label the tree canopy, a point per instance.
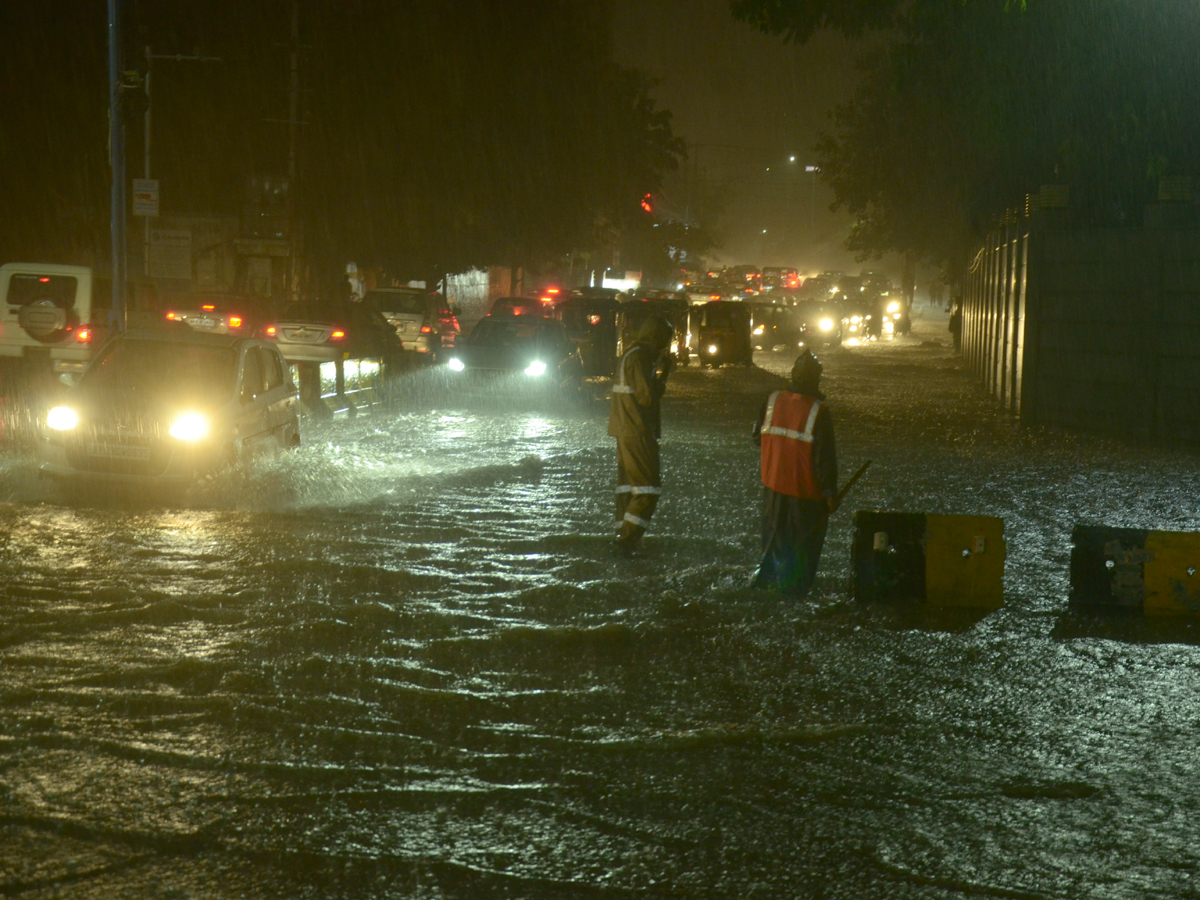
(434, 135)
(967, 107)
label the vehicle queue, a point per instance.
(320, 356)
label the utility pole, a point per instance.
(116, 149)
(295, 239)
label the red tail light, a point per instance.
(337, 334)
(208, 307)
(83, 335)
(172, 316)
(235, 321)
(269, 331)
(426, 329)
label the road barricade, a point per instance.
(1135, 571)
(945, 561)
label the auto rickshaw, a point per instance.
(591, 323)
(723, 333)
(670, 306)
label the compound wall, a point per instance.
(1096, 329)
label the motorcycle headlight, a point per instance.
(62, 418)
(826, 324)
(189, 427)
(535, 368)
(712, 349)
(455, 364)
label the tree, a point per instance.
(967, 107)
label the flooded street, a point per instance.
(402, 662)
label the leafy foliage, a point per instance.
(967, 107)
(433, 135)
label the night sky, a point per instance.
(744, 103)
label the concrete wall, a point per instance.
(1096, 329)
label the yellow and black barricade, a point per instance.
(1135, 571)
(946, 561)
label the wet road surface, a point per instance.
(401, 662)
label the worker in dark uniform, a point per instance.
(638, 386)
(799, 475)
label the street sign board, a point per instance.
(145, 196)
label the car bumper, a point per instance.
(163, 466)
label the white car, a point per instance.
(162, 406)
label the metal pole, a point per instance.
(116, 136)
(146, 168)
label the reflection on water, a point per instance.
(400, 662)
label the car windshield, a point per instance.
(316, 310)
(397, 301)
(505, 332)
(165, 367)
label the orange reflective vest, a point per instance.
(787, 440)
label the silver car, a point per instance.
(160, 407)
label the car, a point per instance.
(743, 281)
(774, 325)
(780, 278)
(218, 313)
(163, 406)
(519, 306)
(821, 322)
(424, 322)
(536, 348)
(722, 332)
(326, 331)
(52, 316)
(706, 292)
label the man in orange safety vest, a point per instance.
(799, 476)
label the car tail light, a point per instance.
(426, 329)
(207, 307)
(270, 331)
(235, 321)
(172, 316)
(83, 335)
(594, 319)
(337, 335)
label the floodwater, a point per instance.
(401, 662)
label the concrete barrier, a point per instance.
(944, 561)
(1135, 571)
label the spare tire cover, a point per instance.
(43, 320)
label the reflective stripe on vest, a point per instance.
(787, 437)
(621, 387)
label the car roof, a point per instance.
(183, 335)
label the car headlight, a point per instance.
(190, 426)
(855, 319)
(894, 306)
(535, 368)
(826, 324)
(456, 364)
(62, 418)
(758, 330)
